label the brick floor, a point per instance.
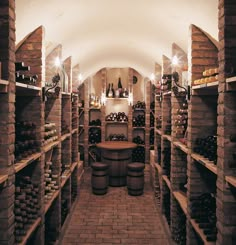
(115, 218)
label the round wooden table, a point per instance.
(117, 154)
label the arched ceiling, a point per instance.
(116, 33)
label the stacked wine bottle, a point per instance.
(26, 206)
(166, 160)
(139, 121)
(94, 135)
(117, 137)
(203, 210)
(138, 154)
(207, 147)
(117, 117)
(50, 133)
(139, 105)
(23, 75)
(181, 121)
(50, 181)
(26, 143)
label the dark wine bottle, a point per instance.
(20, 66)
(233, 137)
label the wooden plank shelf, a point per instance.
(25, 162)
(167, 181)
(199, 231)
(50, 202)
(231, 180)
(158, 131)
(50, 146)
(181, 146)
(231, 84)
(167, 137)
(65, 176)
(3, 178)
(26, 89)
(75, 130)
(141, 127)
(158, 167)
(91, 126)
(3, 86)
(73, 166)
(65, 136)
(30, 231)
(182, 200)
(205, 162)
(205, 88)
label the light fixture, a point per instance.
(103, 98)
(130, 98)
(175, 61)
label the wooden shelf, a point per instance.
(141, 127)
(3, 86)
(231, 180)
(3, 178)
(205, 88)
(95, 108)
(167, 181)
(181, 146)
(158, 167)
(26, 89)
(91, 126)
(182, 200)
(231, 84)
(50, 146)
(73, 166)
(167, 137)
(64, 177)
(199, 231)
(75, 130)
(25, 162)
(205, 162)
(50, 202)
(30, 231)
(116, 98)
(65, 136)
(158, 131)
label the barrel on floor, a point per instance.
(99, 178)
(135, 178)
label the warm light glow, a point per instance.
(130, 99)
(103, 98)
(57, 62)
(175, 60)
(152, 77)
(80, 77)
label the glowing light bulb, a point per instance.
(175, 60)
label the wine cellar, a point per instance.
(182, 122)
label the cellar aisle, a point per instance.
(115, 218)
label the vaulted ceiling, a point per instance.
(116, 33)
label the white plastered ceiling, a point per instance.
(116, 33)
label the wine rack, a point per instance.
(32, 129)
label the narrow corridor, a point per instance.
(115, 218)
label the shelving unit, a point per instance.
(34, 161)
(191, 174)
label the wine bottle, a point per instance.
(108, 89)
(113, 91)
(20, 66)
(110, 92)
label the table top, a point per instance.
(116, 145)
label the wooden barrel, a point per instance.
(135, 178)
(99, 180)
(117, 166)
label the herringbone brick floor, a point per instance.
(115, 218)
